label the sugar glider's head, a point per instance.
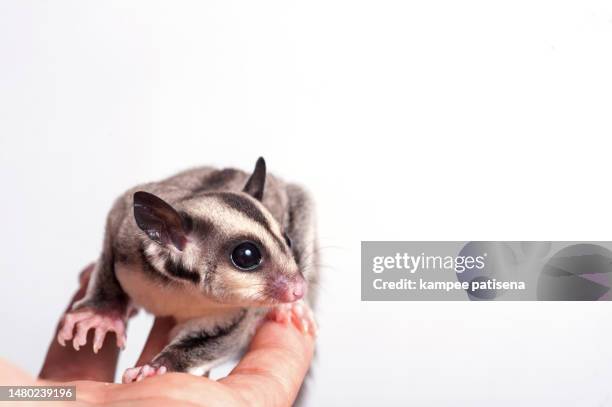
(226, 244)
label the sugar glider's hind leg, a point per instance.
(199, 345)
(105, 305)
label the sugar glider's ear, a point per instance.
(160, 221)
(257, 181)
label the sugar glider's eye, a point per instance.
(246, 256)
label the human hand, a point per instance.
(269, 374)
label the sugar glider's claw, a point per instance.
(297, 313)
(139, 373)
(85, 319)
(65, 332)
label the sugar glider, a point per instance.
(214, 249)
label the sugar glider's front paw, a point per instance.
(84, 319)
(138, 373)
(298, 313)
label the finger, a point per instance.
(64, 363)
(274, 367)
(157, 340)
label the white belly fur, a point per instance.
(183, 302)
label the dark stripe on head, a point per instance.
(216, 180)
(197, 226)
(246, 206)
(179, 271)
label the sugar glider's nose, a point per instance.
(299, 289)
(288, 289)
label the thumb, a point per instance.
(273, 369)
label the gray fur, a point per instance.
(207, 340)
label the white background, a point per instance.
(422, 120)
